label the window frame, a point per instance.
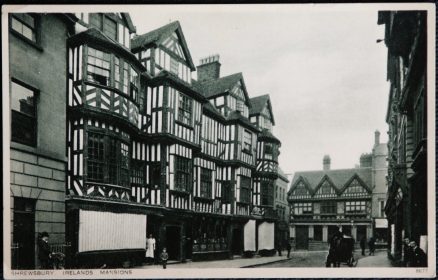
(91, 73)
(37, 29)
(206, 182)
(245, 189)
(329, 207)
(356, 207)
(246, 147)
(36, 93)
(182, 110)
(183, 174)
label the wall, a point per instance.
(39, 172)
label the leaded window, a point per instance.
(96, 157)
(185, 109)
(25, 24)
(155, 174)
(302, 208)
(245, 189)
(23, 106)
(328, 207)
(134, 84)
(355, 206)
(124, 164)
(98, 67)
(137, 172)
(267, 193)
(247, 140)
(183, 176)
(206, 182)
(226, 192)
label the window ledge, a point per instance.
(183, 124)
(27, 40)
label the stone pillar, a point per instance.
(292, 231)
(354, 232)
(324, 233)
(311, 234)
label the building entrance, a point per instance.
(173, 241)
(237, 241)
(302, 237)
(23, 250)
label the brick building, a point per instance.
(325, 200)
(38, 139)
(406, 207)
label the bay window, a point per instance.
(245, 189)
(355, 207)
(98, 67)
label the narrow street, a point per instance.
(297, 259)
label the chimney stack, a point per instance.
(209, 68)
(376, 138)
(326, 163)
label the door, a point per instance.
(237, 241)
(302, 236)
(173, 241)
(23, 252)
(361, 232)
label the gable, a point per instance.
(172, 43)
(355, 188)
(325, 188)
(300, 190)
(237, 91)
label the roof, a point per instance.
(158, 35)
(129, 22)
(237, 116)
(267, 135)
(258, 103)
(210, 108)
(282, 175)
(215, 87)
(339, 177)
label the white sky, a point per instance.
(321, 65)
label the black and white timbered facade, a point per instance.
(153, 151)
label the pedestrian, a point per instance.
(334, 250)
(44, 254)
(279, 248)
(362, 245)
(164, 256)
(371, 245)
(150, 249)
(407, 253)
(288, 247)
(419, 257)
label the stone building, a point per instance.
(37, 86)
(325, 200)
(406, 206)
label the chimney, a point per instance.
(366, 160)
(376, 138)
(209, 68)
(326, 163)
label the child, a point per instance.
(164, 256)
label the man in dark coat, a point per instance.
(407, 253)
(419, 257)
(288, 247)
(362, 245)
(371, 245)
(44, 253)
(334, 250)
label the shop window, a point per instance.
(23, 107)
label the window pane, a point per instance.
(22, 100)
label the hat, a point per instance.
(44, 234)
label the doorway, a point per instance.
(302, 237)
(173, 238)
(237, 242)
(23, 252)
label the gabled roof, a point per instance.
(361, 182)
(267, 135)
(339, 177)
(208, 107)
(129, 22)
(158, 35)
(258, 103)
(295, 182)
(211, 88)
(326, 178)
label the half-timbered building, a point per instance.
(154, 151)
(324, 201)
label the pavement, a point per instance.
(297, 259)
(380, 259)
